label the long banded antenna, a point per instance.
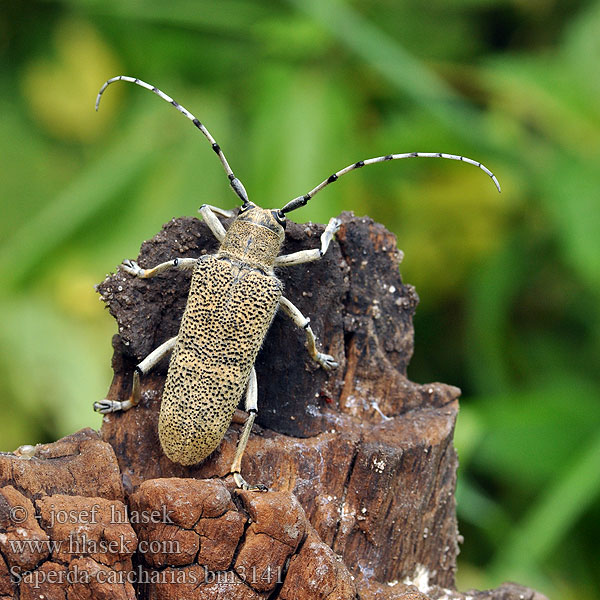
(302, 200)
(235, 183)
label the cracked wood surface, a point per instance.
(230, 544)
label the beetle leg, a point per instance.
(131, 267)
(209, 214)
(252, 408)
(304, 256)
(156, 356)
(228, 214)
(325, 360)
(107, 406)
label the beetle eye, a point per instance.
(279, 217)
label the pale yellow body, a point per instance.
(232, 301)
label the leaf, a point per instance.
(575, 488)
(94, 188)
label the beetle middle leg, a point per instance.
(108, 406)
(325, 360)
(131, 267)
(304, 256)
(252, 409)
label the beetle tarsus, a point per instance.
(131, 267)
(108, 406)
(326, 361)
(244, 485)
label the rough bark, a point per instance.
(360, 460)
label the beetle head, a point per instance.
(255, 236)
(274, 220)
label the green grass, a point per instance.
(509, 284)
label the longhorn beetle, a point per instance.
(233, 298)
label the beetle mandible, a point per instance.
(233, 298)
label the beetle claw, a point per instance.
(244, 485)
(327, 361)
(131, 267)
(107, 406)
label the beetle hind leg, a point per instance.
(252, 408)
(109, 406)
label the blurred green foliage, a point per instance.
(509, 284)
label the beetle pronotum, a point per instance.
(234, 295)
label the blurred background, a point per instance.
(294, 90)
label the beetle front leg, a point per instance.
(304, 256)
(325, 360)
(251, 408)
(108, 406)
(209, 214)
(131, 267)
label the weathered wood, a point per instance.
(61, 498)
(64, 468)
(360, 460)
(367, 452)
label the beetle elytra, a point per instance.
(234, 295)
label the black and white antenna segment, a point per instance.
(237, 185)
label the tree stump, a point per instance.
(359, 460)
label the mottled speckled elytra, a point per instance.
(234, 290)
